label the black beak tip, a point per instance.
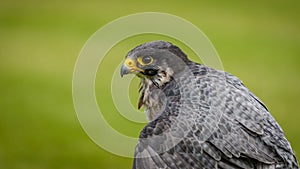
(124, 70)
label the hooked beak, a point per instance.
(129, 66)
(124, 70)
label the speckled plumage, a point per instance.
(203, 118)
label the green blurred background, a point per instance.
(258, 41)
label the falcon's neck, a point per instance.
(152, 96)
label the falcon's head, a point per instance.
(156, 61)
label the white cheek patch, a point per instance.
(162, 77)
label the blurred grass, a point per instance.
(40, 41)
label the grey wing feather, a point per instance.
(229, 128)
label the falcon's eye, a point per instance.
(145, 60)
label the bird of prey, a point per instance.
(201, 117)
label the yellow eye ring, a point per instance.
(145, 60)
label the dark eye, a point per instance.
(145, 60)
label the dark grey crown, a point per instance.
(160, 45)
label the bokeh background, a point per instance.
(258, 41)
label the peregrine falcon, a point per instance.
(201, 117)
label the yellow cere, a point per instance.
(132, 64)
